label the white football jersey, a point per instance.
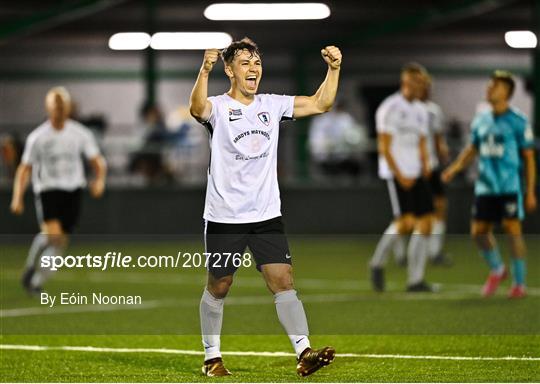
(242, 175)
(56, 156)
(435, 125)
(407, 122)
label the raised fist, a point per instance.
(210, 58)
(332, 56)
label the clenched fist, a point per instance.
(332, 56)
(210, 58)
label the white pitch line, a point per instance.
(256, 354)
(45, 310)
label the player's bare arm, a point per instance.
(530, 180)
(424, 157)
(464, 159)
(199, 106)
(385, 143)
(323, 99)
(22, 178)
(97, 185)
(441, 147)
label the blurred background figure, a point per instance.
(337, 144)
(148, 160)
(53, 156)
(503, 140)
(438, 157)
(10, 153)
(403, 128)
(188, 157)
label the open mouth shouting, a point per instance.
(251, 82)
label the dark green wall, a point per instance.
(306, 210)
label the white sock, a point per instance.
(400, 248)
(417, 257)
(38, 245)
(292, 317)
(42, 274)
(211, 312)
(384, 246)
(436, 240)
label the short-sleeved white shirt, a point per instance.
(56, 156)
(242, 176)
(406, 122)
(435, 124)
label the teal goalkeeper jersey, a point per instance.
(499, 141)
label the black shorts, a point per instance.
(436, 184)
(61, 205)
(266, 241)
(495, 208)
(417, 201)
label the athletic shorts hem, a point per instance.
(418, 200)
(266, 241)
(496, 208)
(61, 205)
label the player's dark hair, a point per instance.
(237, 47)
(507, 78)
(414, 69)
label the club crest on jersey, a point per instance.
(264, 117)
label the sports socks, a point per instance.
(493, 259)
(385, 245)
(417, 257)
(519, 270)
(436, 240)
(400, 248)
(42, 274)
(211, 314)
(38, 245)
(292, 317)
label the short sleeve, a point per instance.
(284, 106)
(211, 122)
(30, 150)
(474, 138)
(89, 144)
(384, 119)
(525, 135)
(437, 122)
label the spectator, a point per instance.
(337, 143)
(148, 160)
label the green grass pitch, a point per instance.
(450, 336)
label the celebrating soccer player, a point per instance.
(53, 156)
(501, 138)
(242, 205)
(402, 127)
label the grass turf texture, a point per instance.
(332, 279)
